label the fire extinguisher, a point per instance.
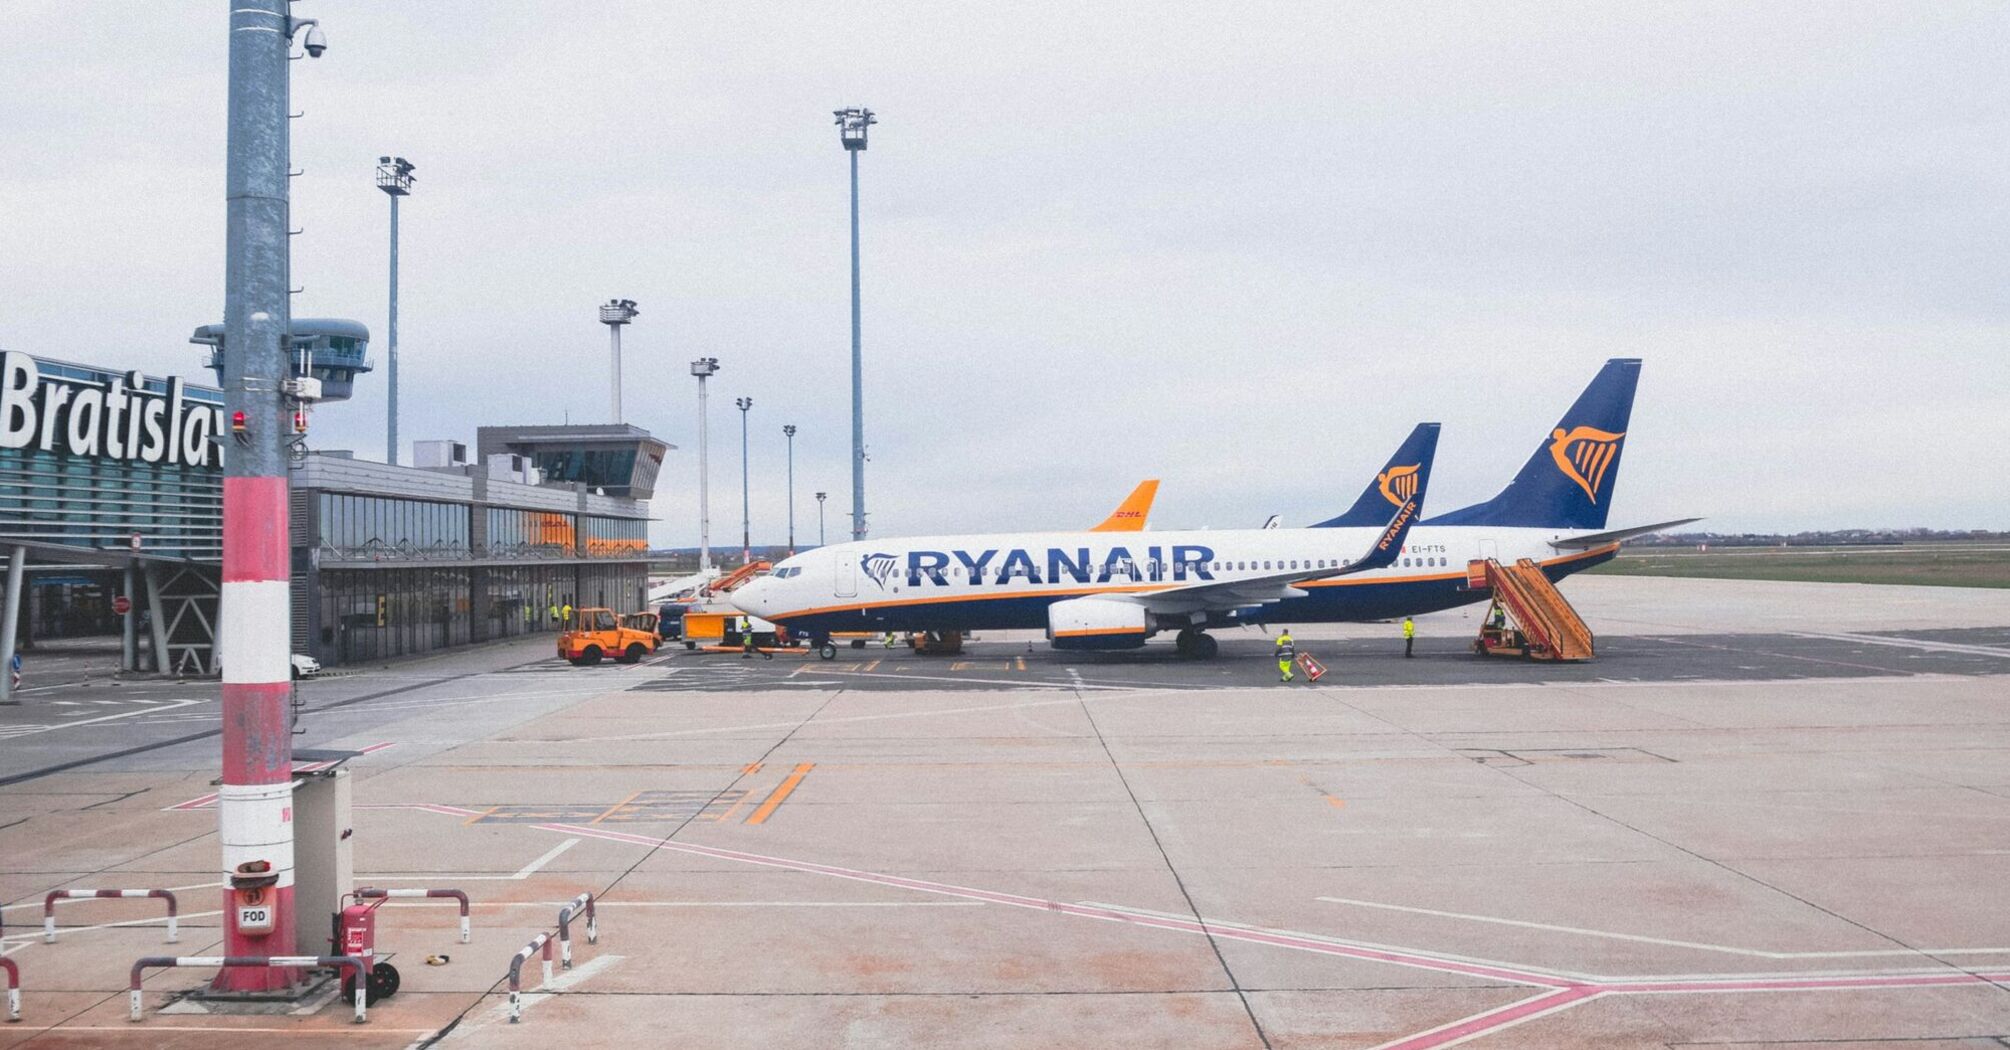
(356, 934)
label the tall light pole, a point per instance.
(820, 517)
(789, 431)
(614, 313)
(394, 177)
(852, 124)
(746, 531)
(255, 800)
(704, 368)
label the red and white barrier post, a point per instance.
(565, 914)
(542, 942)
(13, 988)
(271, 963)
(49, 907)
(255, 801)
(368, 893)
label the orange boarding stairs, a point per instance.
(737, 577)
(1552, 629)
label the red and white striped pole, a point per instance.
(254, 633)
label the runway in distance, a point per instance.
(1375, 561)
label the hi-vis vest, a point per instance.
(1285, 649)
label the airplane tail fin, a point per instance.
(1402, 478)
(1134, 511)
(1569, 481)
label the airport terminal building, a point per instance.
(111, 499)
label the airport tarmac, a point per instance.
(1769, 815)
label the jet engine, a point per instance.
(1097, 623)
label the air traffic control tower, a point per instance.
(614, 458)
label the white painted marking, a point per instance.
(1698, 945)
(30, 730)
(1908, 643)
(564, 982)
(438, 876)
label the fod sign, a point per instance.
(116, 420)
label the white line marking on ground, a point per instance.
(20, 731)
(564, 982)
(1698, 945)
(522, 873)
(974, 709)
(1907, 643)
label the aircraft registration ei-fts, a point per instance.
(1093, 590)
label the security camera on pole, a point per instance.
(254, 801)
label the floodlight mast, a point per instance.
(394, 177)
(852, 123)
(746, 531)
(704, 368)
(614, 313)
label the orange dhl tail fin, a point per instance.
(1130, 515)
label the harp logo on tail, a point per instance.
(1583, 454)
(1398, 483)
(878, 567)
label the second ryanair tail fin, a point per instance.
(1402, 478)
(1569, 481)
(1134, 511)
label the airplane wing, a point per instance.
(1600, 539)
(1223, 595)
(1131, 514)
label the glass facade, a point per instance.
(55, 495)
(530, 533)
(85, 502)
(372, 614)
(616, 537)
(599, 468)
(394, 576)
(376, 528)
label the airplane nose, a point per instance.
(749, 597)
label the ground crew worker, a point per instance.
(1500, 616)
(565, 612)
(1409, 637)
(554, 612)
(889, 639)
(1287, 651)
(747, 646)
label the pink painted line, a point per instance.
(1423, 962)
(1496, 1019)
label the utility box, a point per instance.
(323, 868)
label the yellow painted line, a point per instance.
(780, 793)
(611, 809)
(751, 767)
(1336, 803)
(960, 665)
(1022, 663)
(480, 815)
(872, 666)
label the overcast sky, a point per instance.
(1241, 247)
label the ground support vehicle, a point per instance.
(597, 633)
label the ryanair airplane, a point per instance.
(1092, 590)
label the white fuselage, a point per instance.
(1006, 580)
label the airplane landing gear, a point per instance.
(1194, 644)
